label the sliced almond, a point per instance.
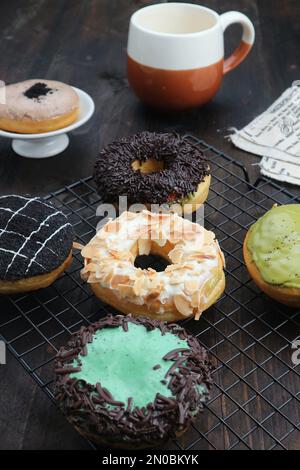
(155, 283)
(144, 246)
(114, 253)
(113, 226)
(78, 246)
(155, 234)
(191, 286)
(104, 278)
(144, 229)
(119, 279)
(139, 286)
(176, 256)
(183, 306)
(202, 256)
(154, 305)
(125, 290)
(152, 296)
(127, 215)
(88, 251)
(170, 268)
(189, 234)
(198, 315)
(90, 268)
(151, 271)
(195, 299)
(186, 267)
(137, 273)
(161, 242)
(104, 262)
(177, 235)
(175, 280)
(221, 254)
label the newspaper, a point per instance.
(275, 135)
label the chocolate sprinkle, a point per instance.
(94, 412)
(37, 90)
(184, 168)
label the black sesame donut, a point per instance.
(152, 168)
(35, 244)
(37, 106)
(132, 383)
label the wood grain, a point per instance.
(83, 42)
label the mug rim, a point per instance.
(133, 20)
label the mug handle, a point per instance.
(247, 41)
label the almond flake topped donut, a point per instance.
(190, 284)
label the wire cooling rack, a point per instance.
(255, 399)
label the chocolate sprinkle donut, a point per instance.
(185, 167)
(35, 237)
(93, 410)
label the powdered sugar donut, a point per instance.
(192, 282)
(35, 243)
(37, 106)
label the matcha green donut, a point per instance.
(274, 242)
(272, 254)
(132, 383)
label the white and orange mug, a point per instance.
(176, 53)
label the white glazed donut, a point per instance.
(192, 282)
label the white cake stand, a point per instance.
(52, 143)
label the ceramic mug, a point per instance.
(176, 53)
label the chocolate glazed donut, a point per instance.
(153, 168)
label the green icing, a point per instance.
(274, 243)
(123, 362)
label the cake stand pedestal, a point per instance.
(52, 143)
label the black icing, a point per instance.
(184, 168)
(22, 218)
(37, 90)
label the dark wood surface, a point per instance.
(83, 42)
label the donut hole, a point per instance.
(151, 261)
(155, 257)
(151, 165)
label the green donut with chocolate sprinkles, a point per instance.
(132, 383)
(152, 168)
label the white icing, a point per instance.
(14, 214)
(44, 245)
(27, 239)
(18, 212)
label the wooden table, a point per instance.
(83, 42)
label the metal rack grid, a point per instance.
(255, 400)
